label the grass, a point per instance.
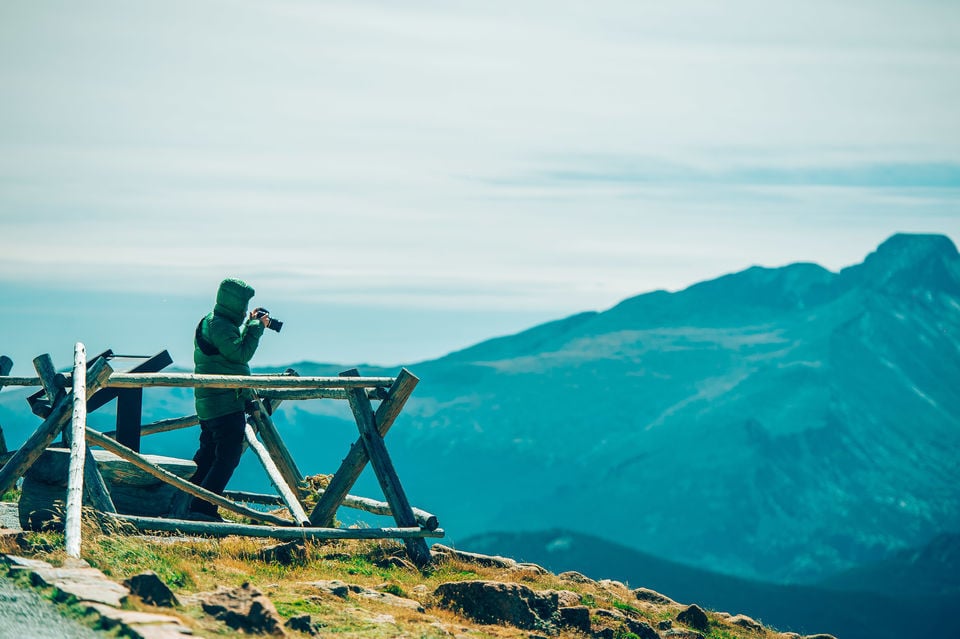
(194, 565)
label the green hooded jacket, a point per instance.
(236, 338)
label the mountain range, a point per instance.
(788, 425)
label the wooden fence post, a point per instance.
(289, 498)
(78, 450)
(352, 465)
(386, 473)
(6, 364)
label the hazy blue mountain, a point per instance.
(870, 608)
(783, 424)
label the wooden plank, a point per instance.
(278, 450)
(47, 397)
(319, 393)
(95, 491)
(140, 462)
(77, 451)
(163, 426)
(386, 473)
(353, 464)
(281, 533)
(129, 410)
(49, 429)
(195, 380)
(424, 519)
(7, 380)
(5, 365)
(289, 498)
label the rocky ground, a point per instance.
(172, 587)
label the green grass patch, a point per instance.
(620, 605)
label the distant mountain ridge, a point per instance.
(774, 423)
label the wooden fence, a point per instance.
(66, 398)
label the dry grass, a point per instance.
(194, 565)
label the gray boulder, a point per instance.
(151, 589)
(245, 609)
(694, 617)
(493, 602)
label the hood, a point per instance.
(233, 297)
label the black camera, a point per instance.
(274, 324)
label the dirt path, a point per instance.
(24, 613)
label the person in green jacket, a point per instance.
(224, 343)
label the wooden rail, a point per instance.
(185, 380)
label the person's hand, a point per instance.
(264, 319)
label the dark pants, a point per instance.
(221, 444)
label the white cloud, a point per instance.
(372, 151)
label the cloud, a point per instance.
(438, 155)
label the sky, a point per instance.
(400, 180)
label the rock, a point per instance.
(695, 617)
(666, 624)
(388, 599)
(487, 561)
(820, 636)
(603, 613)
(641, 629)
(151, 589)
(342, 590)
(745, 622)
(535, 568)
(610, 583)
(332, 587)
(576, 577)
(605, 633)
(652, 596)
(576, 617)
(244, 609)
(679, 633)
(302, 623)
(566, 598)
(75, 580)
(492, 602)
(140, 625)
(285, 554)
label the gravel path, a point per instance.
(25, 614)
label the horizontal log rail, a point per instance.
(187, 380)
(424, 519)
(162, 426)
(285, 533)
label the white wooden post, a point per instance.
(77, 451)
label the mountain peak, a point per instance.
(910, 262)
(916, 247)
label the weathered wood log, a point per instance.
(278, 450)
(140, 462)
(95, 492)
(195, 380)
(289, 499)
(49, 429)
(424, 519)
(162, 426)
(77, 451)
(5, 365)
(319, 393)
(352, 465)
(281, 533)
(384, 470)
(133, 491)
(7, 380)
(40, 407)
